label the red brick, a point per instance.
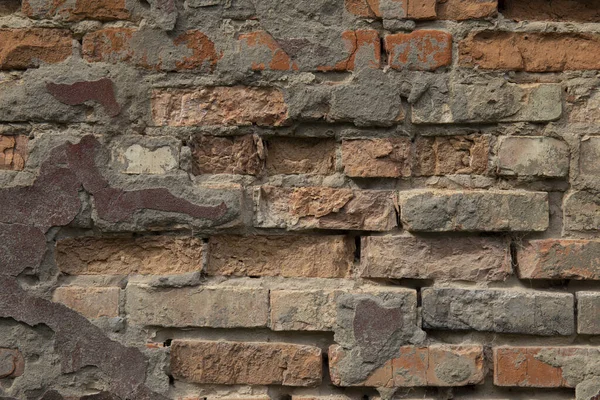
(114, 45)
(559, 259)
(539, 367)
(460, 10)
(555, 10)
(278, 59)
(423, 50)
(287, 256)
(436, 365)
(232, 363)
(32, 47)
(13, 152)
(531, 52)
(91, 302)
(12, 364)
(76, 10)
(224, 105)
(364, 47)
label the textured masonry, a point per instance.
(299, 199)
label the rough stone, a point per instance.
(588, 389)
(13, 152)
(230, 363)
(300, 156)
(76, 10)
(100, 91)
(324, 208)
(436, 365)
(559, 259)
(456, 258)
(502, 311)
(12, 364)
(126, 256)
(533, 156)
(234, 105)
(378, 8)
(470, 103)
(491, 211)
(588, 313)
(286, 256)
(212, 307)
(91, 302)
(588, 156)
(303, 310)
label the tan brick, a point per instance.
(235, 105)
(436, 365)
(76, 10)
(303, 310)
(213, 307)
(541, 367)
(531, 52)
(124, 256)
(400, 157)
(559, 259)
(227, 155)
(324, 208)
(460, 10)
(13, 152)
(455, 258)
(91, 302)
(287, 256)
(300, 156)
(421, 50)
(30, 47)
(231, 363)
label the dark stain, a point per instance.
(374, 326)
(100, 91)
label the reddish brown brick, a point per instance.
(541, 367)
(288, 256)
(188, 51)
(76, 10)
(12, 364)
(436, 365)
(32, 47)
(364, 48)
(559, 259)
(231, 363)
(13, 152)
(421, 9)
(531, 52)
(300, 156)
(92, 302)
(222, 105)
(555, 10)
(422, 50)
(459, 10)
(227, 155)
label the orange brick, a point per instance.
(460, 10)
(278, 59)
(421, 9)
(424, 50)
(31, 47)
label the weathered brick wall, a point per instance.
(299, 199)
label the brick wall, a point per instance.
(299, 200)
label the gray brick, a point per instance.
(502, 311)
(588, 313)
(533, 156)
